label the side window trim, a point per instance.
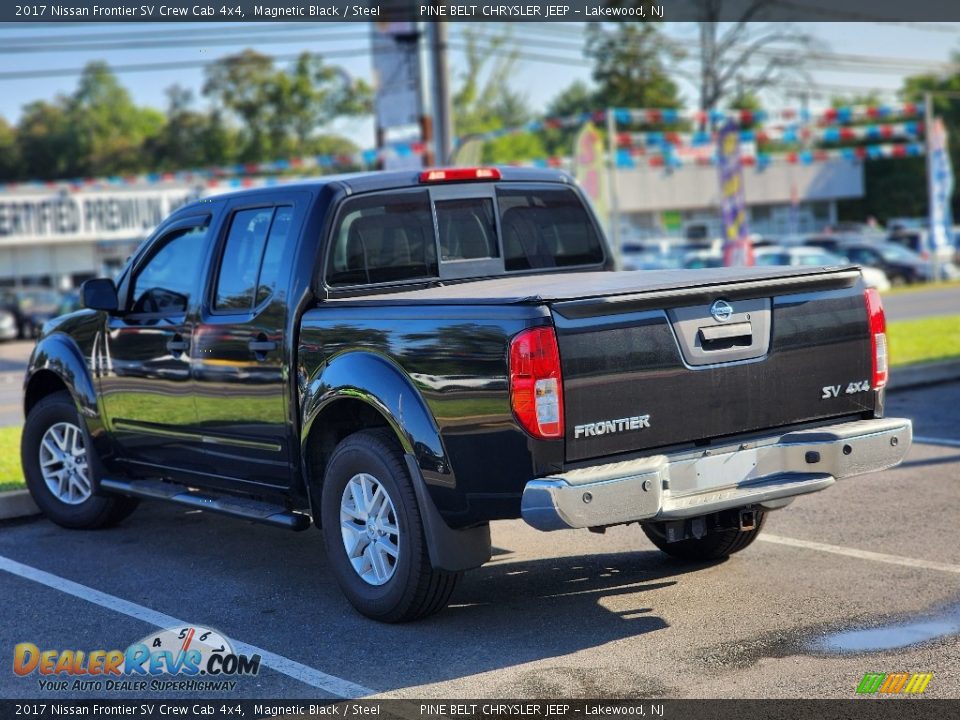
(149, 250)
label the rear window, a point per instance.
(390, 237)
(546, 228)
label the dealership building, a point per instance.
(781, 198)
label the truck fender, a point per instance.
(381, 384)
(59, 354)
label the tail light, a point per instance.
(536, 384)
(878, 337)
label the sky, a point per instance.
(886, 53)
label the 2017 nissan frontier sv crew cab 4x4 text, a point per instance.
(400, 358)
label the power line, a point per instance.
(261, 39)
(148, 34)
(151, 67)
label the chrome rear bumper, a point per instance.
(765, 472)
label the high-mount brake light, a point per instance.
(536, 383)
(878, 337)
(459, 174)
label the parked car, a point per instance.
(873, 277)
(637, 256)
(31, 308)
(700, 259)
(553, 390)
(919, 241)
(8, 325)
(898, 263)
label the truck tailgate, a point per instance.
(694, 363)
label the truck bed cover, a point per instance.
(563, 286)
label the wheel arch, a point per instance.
(361, 390)
(57, 364)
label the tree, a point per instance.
(9, 152)
(281, 110)
(574, 99)
(46, 145)
(729, 51)
(630, 66)
(184, 141)
(240, 84)
(484, 99)
(107, 129)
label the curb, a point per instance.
(17, 504)
(912, 376)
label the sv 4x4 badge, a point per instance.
(833, 391)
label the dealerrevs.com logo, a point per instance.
(898, 683)
(200, 659)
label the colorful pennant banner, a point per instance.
(851, 113)
(784, 134)
(626, 158)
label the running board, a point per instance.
(238, 507)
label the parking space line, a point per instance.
(861, 554)
(937, 441)
(291, 668)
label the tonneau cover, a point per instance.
(560, 286)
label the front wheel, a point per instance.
(59, 468)
(715, 545)
(374, 534)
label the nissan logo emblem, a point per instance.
(721, 310)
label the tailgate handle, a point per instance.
(723, 337)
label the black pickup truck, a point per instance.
(400, 358)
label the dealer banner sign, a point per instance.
(95, 215)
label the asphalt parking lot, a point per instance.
(567, 614)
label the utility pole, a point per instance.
(442, 108)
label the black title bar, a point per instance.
(479, 709)
(474, 10)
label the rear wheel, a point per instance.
(715, 545)
(374, 534)
(60, 468)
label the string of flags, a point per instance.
(756, 160)
(850, 113)
(784, 134)
(628, 158)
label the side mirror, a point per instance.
(99, 294)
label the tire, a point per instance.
(54, 443)
(715, 545)
(389, 577)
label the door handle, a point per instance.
(260, 346)
(177, 345)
